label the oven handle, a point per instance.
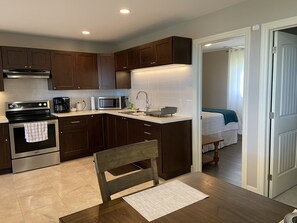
(20, 125)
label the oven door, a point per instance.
(21, 148)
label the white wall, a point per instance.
(166, 86)
(236, 17)
(36, 89)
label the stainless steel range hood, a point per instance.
(26, 73)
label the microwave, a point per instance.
(116, 102)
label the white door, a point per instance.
(283, 156)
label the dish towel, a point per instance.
(36, 131)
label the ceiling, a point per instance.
(67, 18)
(236, 42)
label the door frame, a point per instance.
(197, 97)
(265, 98)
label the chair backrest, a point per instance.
(123, 155)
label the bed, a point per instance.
(214, 124)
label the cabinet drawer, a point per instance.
(72, 122)
(151, 131)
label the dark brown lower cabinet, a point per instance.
(96, 133)
(73, 137)
(174, 141)
(5, 158)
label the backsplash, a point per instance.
(166, 86)
(36, 89)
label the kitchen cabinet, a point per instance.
(96, 133)
(25, 58)
(123, 80)
(5, 158)
(86, 71)
(73, 134)
(106, 71)
(1, 74)
(72, 70)
(172, 50)
(127, 59)
(116, 130)
(174, 142)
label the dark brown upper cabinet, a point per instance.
(86, 71)
(25, 58)
(172, 50)
(106, 71)
(127, 59)
(72, 70)
(1, 74)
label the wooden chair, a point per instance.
(123, 155)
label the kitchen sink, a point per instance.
(135, 113)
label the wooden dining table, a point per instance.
(226, 204)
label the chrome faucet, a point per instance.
(146, 100)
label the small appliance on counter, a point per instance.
(113, 102)
(165, 111)
(61, 104)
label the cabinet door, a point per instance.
(1, 74)
(39, 59)
(62, 70)
(121, 131)
(5, 158)
(110, 131)
(135, 131)
(123, 79)
(133, 58)
(96, 132)
(73, 137)
(147, 55)
(106, 71)
(121, 60)
(163, 50)
(14, 57)
(86, 71)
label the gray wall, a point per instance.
(239, 16)
(24, 40)
(215, 79)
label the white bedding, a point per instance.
(213, 124)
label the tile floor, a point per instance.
(44, 195)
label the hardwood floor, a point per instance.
(229, 166)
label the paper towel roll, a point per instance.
(92, 103)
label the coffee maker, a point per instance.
(61, 104)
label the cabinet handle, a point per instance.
(75, 122)
(147, 133)
(78, 87)
(26, 66)
(29, 66)
(6, 140)
(61, 132)
(124, 67)
(147, 125)
(55, 88)
(153, 62)
(124, 118)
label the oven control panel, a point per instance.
(32, 105)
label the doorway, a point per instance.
(273, 100)
(197, 98)
(222, 91)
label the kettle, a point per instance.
(80, 105)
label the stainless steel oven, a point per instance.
(32, 155)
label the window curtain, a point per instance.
(235, 83)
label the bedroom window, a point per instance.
(235, 83)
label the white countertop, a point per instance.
(3, 119)
(159, 120)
